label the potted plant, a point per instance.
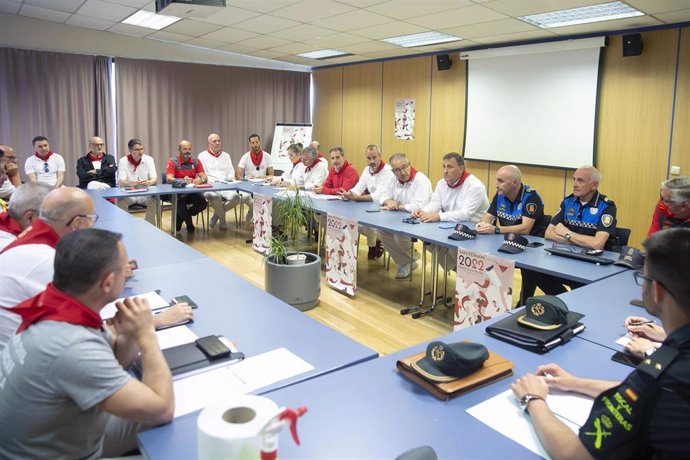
(290, 274)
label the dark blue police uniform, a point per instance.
(527, 203)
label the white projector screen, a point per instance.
(536, 109)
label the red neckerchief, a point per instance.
(314, 163)
(37, 233)
(256, 158)
(378, 170)
(93, 157)
(54, 305)
(50, 152)
(464, 176)
(664, 210)
(214, 154)
(319, 155)
(342, 168)
(9, 225)
(413, 172)
(130, 158)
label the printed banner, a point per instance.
(285, 135)
(341, 254)
(483, 289)
(263, 206)
(404, 119)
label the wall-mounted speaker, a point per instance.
(632, 45)
(443, 61)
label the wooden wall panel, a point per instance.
(680, 153)
(362, 96)
(481, 169)
(448, 89)
(407, 79)
(634, 126)
(328, 106)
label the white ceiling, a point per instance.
(277, 30)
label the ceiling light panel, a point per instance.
(583, 15)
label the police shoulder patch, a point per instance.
(607, 220)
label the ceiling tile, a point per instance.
(263, 42)
(132, 3)
(90, 23)
(517, 37)
(368, 47)
(391, 29)
(674, 16)
(262, 6)
(351, 20)
(43, 13)
(362, 3)
(458, 17)
(346, 59)
(523, 7)
(335, 40)
(658, 6)
(295, 48)
(107, 11)
(7, 6)
(269, 54)
(169, 37)
(392, 53)
(301, 60)
(404, 9)
(485, 29)
(266, 24)
(67, 6)
(229, 35)
(618, 24)
(303, 32)
(242, 49)
(205, 43)
(132, 31)
(192, 28)
(230, 15)
(312, 10)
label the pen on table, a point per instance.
(641, 323)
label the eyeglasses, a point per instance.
(401, 169)
(640, 278)
(46, 168)
(93, 217)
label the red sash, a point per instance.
(130, 158)
(9, 225)
(214, 154)
(413, 172)
(378, 170)
(54, 305)
(342, 168)
(37, 233)
(258, 158)
(460, 181)
(314, 163)
(93, 157)
(50, 152)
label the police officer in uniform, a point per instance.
(648, 414)
(586, 218)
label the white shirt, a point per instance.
(413, 194)
(6, 238)
(7, 188)
(217, 167)
(145, 171)
(467, 203)
(374, 183)
(289, 175)
(27, 270)
(315, 176)
(249, 168)
(35, 165)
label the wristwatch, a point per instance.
(497, 230)
(649, 351)
(567, 236)
(525, 400)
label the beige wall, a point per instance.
(640, 132)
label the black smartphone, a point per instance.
(373, 210)
(637, 303)
(535, 244)
(626, 358)
(184, 298)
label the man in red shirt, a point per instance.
(189, 169)
(341, 177)
(673, 208)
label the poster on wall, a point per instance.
(341, 254)
(404, 119)
(285, 135)
(483, 288)
(263, 206)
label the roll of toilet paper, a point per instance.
(231, 428)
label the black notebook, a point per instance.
(510, 330)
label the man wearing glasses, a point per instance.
(647, 415)
(9, 172)
(45, 165)
(409, 191)
(673, 208)
(96, 169)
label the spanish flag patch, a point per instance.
(630, 394)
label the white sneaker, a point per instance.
(405, 270)
(214, 221)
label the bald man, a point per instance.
(515, 208)
(23, 210)
(9, 172)
(185, 167)
(96, 169)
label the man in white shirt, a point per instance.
(138, 170)
(9, 172)
(372, 181)
(45, 165)
(314, 170)
(254, 164)
(458, 197)
(22, 211)
(218, 167)
(409, 192)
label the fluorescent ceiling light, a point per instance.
(584, 15)
(425, 38)
(143, 18)
(323, 54)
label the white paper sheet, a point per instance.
(503, 414)
(625, 339)
(155, 301)
(200, 390)
(175, 336)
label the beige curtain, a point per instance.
(102, 104)
(164, 102)
(49, 94)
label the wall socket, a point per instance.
(675, 170)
